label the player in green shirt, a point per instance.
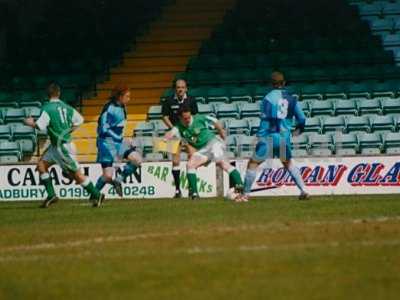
(59, 120)
(195, 130)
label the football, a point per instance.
(232, 195)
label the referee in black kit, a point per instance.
(170, 107)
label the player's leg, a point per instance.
(250, 177)
(95, 196)
(287, 161)
(176, 172)
(106, 177)
(296, 175)
(217, 149)
(261, 153)
(43, 168)
(66, 159)
(196, 160)
(105, 156)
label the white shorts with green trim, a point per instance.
(213, 151)
(63, 155)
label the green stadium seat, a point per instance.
(320, 141)
(26, 136)
(227, 77)
(217, 95)
(250, 110)
(231, 143)
(357, 123)
(5, 133)
(245, 143)
(144, 129)
(392, 143)
(168, 93)
(260, 92)
(321, 108)
(345, 144)
(145, 143)
(154, 112)
(154, 156)
(358, 90)
(334, 91)
(313, 125)
(371, 9)
(32, 111)
(391, 9)
(5, 96)
(390, 106)
(200, 94)
(296, 153)
(300, 142)
(370, 144)
(382, 25)
(14, 115)
(227, 110)
(334, 124)
(369, 106)
(305, 107)
(206, 109)
(312, 91)
(254, 125)
(240, 94)
(8, 104)
(382, 123)
(24, 104)
(237, 127)
(10, 152)
(345, 107)
(384, 89)
(160, 127)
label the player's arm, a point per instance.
(300, 119)
(105, 128)
(77, 120)
(173, 133)
(41, 123)
(166, 111)
(218, 126)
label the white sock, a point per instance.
(295, 172)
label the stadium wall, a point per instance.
(323, 176)
(328, 176)
(154, 180)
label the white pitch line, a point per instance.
(199, 250)
(127, 238)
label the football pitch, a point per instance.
(342, 247)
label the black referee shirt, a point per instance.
(171, 105)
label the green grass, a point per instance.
(344, 247)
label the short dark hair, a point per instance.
(53, 90)
(184, 109)
(180, 79)
(277, 79)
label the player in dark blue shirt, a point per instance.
(278, 111)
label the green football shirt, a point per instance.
(198, 133)
(58, 118)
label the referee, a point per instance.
(170, 108)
